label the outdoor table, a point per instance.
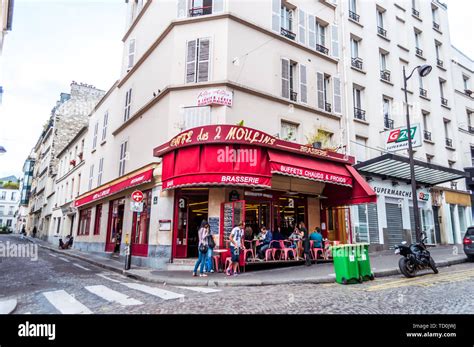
(221, 253)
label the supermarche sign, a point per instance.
(397, 139)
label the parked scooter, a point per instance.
(416, 257)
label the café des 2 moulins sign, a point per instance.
(215, 97)
(397, 139)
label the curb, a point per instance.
(8, 306)
(231, 282)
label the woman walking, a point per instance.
(202, 249)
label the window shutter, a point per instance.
(303, 85)
(285, 78)
(203, 60)
(334, 41)
(191, 61)
(320, 86)
(276, 8)
(311, 31)
(131, 53)
(334, 2)
(197, 116)
(302, 27)
(218, 6)
(337, 95)
(182, 8)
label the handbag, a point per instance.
(203, 248)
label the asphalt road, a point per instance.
(60, 284)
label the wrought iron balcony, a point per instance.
(419, 51)
(427, 135)
(385, 75)
(439, 62)
(354, 16)
(444, 101)
(381, 31)
(436, 25)
(322, 49)
(327, 107)
(449, 142)
(423, 92)
(200, 11)
(415, 12)
(471, 129)
(357, 63)
(388, 123)
(288, 34)
(293, 96)
(359, 113)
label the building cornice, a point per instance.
(136, 20)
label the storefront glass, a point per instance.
(115, 225)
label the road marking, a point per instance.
(112, 295)
(66, 303)
(53, 255)
(107, 278)
(64, 259)
(161, 293)
(200, 289)
(81, 267)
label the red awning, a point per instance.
(309, 168)
(126, 183)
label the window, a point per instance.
(286, 18)
(384, 72)
(418, 49)
(99, 174)
(380, 23)
(326, 86)
(470, 126)
(98, 216)
(13, 196)
(426, 126)
(11, 210)
(9, 222)
(302, 27)
(288, 79)
(196, 116)
(320, 34)
(289, 131)
(360, 149)
(105, 121)
(439, 61)
(3, 195)
(465, 82)
(386, 107)
(72, 189)
(94, 139)
(197, 60)
(128, 102)
(429, 158)
(354, 48)
(2, 210)
(303, 84)
(84, 222)
(447, 132)
(78, 185)
(434, 13)
(131, 53)
(91, 176)
(123, 158)
(194, 8)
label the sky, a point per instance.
(55, 42)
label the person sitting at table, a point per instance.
(267, 238)
(317, 238)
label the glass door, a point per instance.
(140, 227)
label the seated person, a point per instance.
(295, 236)
(317, 238)
(265, 243)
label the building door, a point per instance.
(257, 214)
(394, 225)
(141, 227)
(436, 224)
(115, 225)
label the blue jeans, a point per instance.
(201, 261)
(209, 266)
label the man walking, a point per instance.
(236, 243)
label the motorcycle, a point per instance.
(415, 257)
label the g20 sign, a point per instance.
(397, 139)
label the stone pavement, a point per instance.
(383, 264)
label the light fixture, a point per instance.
(424, 70)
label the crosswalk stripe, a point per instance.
(112, 296)
(200, 289)
(161, 293)
(66, 303)
(64, 259)
(107, 278)
(53, 255)
(81, 267)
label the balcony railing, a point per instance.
(359, 113)
(427, 135)
(322, 49)
(449, 142)
(435, 25)
(423, 92)
(354, 16)
(415, 12)
(327, 107)
(439, 62)
(381, 31)
(200, 11)
(388, 123)
(444, 101)
(419, 51)
(288, 34)
(385, 75)
(471, 129)
(293, 96)
(357, 63)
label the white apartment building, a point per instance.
(9, 198)
(6, 18)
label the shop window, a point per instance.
(142, 224)
(98, 216)
(84, 222)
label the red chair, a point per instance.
(314, 251)
(285, 250)
(216, 259)
(271, 250)
(248, 251)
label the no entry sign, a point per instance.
(137, 196)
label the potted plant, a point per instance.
(72, 162)
(318, 139)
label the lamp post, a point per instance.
(423, 70)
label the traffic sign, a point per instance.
(136, 206)
(137, 196)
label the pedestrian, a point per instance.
(306, 244)
(211, 244)
(267, 238)
(34, 231)
(202, 249)
(236, 239)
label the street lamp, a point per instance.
(423, 70)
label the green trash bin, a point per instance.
(346, 266)
(363, 260)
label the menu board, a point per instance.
(214, 225)
(228, 220)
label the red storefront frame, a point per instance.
(139, 243)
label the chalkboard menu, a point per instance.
(228, 220)
(214, 225)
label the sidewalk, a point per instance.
(383, 264)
